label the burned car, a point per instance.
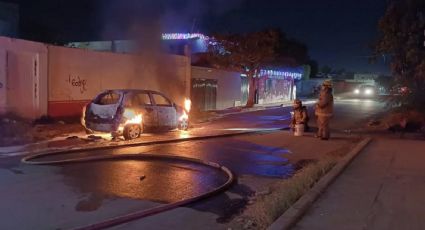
(129, 112)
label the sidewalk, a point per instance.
(258, 107)
(383, 188)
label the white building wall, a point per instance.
(23, 73)
(3, 83)
(228, 85)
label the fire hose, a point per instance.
(140, 213)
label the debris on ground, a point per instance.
(94, 137)
(374, 123)
(405, 121)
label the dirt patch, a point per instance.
(15, 130)
(399, 120)
(49, 131)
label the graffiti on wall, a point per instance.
(77, 82)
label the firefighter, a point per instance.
(324, 110)
(300, 115)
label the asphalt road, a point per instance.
(241, 157)
(166, 182)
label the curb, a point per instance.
(266, 107)
(291, 216)
(102, 147)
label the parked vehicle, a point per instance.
(130, 112)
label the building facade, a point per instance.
(38, 79)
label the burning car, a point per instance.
(130, 112)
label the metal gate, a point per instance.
(204, 94)
(244, 90)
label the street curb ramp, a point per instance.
(291, 216)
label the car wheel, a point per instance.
(184, 124)
(132, 131)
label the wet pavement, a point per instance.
(263, 120)
(99, 184)
(106, 177)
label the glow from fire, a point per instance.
(186, 110)
(187, 104)
(132, 118)
(184, 116)
(135, 120)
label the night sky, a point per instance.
(337, 33)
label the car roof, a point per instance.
(132, 91)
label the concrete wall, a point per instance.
(228, 85)
(23, 77)
(77, 76)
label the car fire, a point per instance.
(131, 112)
(186, 110)
(184, 118)
(131, 118)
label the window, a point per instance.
(138, 99)
(109, 98)
(144, 99)
(161, 100)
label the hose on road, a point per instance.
(141, 213)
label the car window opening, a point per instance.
(108, 99)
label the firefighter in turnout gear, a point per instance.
(324, 110)
(300, 115)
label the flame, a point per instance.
(187, 104)
(132, 118)
(135, 120)
(184, 116)
(186, 110)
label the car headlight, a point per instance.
(368, 91)
(356, 91)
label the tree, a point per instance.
(314, 68)
(402, 28)
(289, 52)
(246, 53)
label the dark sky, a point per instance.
(337, 32)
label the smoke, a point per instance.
(144, 21)
(121, 17)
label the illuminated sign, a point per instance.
(276, 74)
(183, 36)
